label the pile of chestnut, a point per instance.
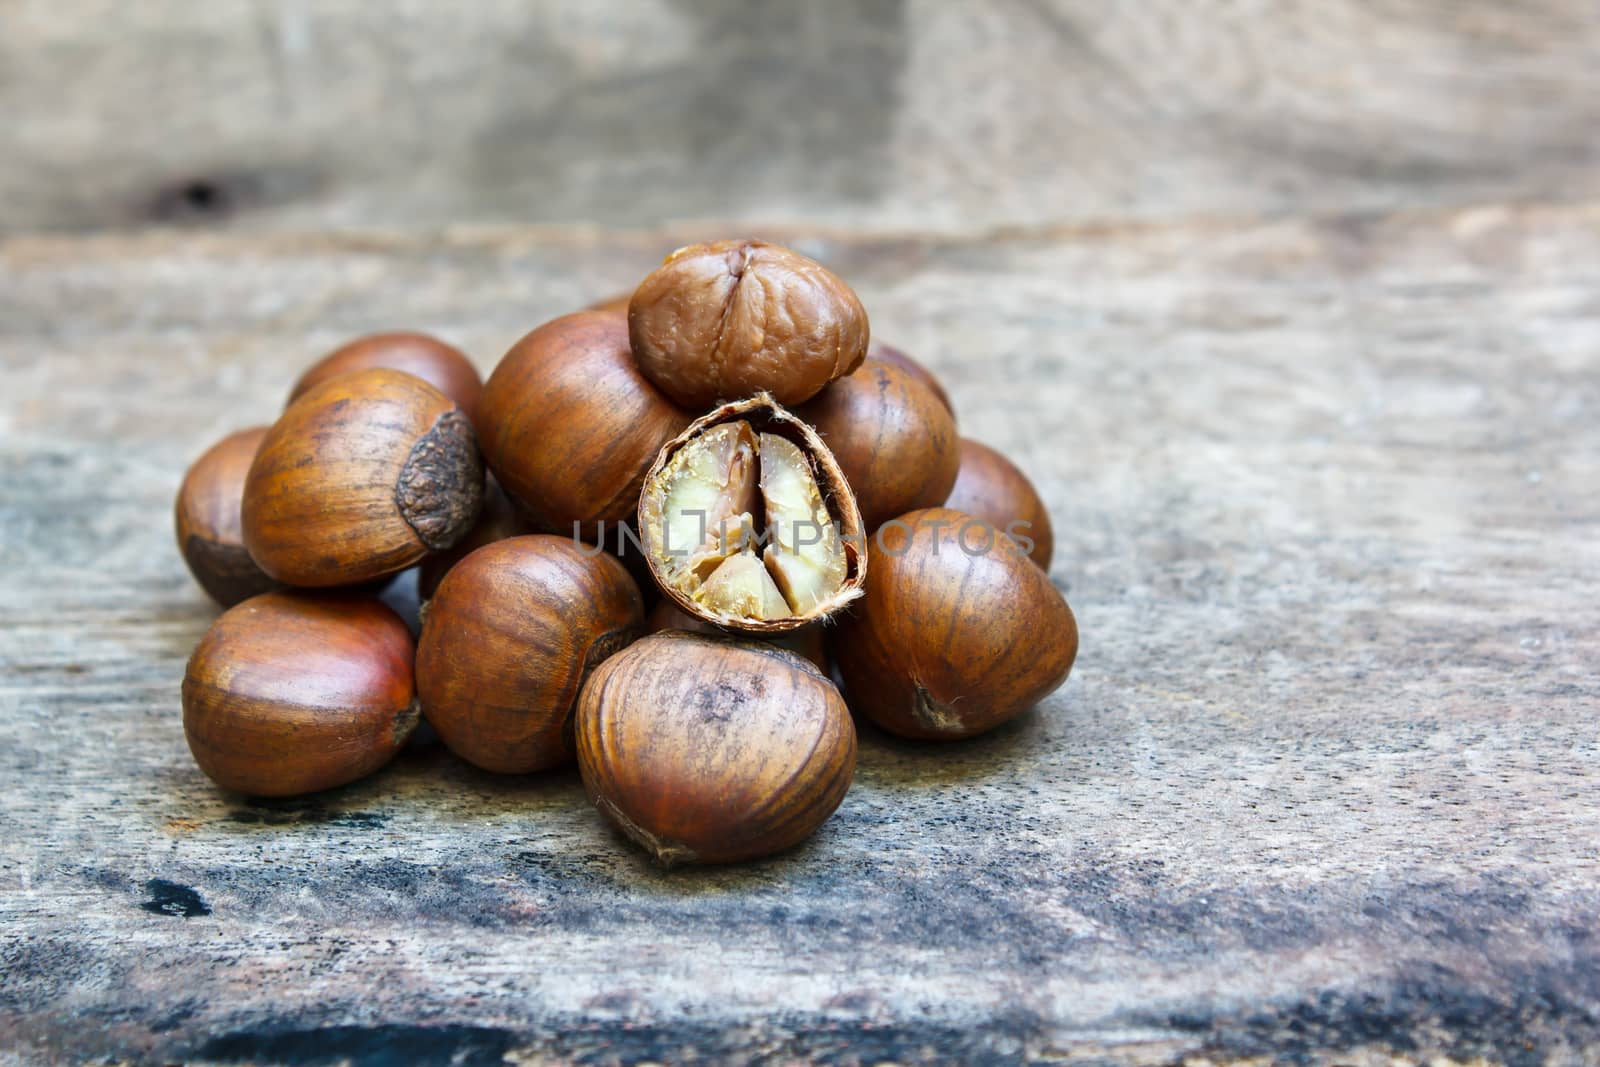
(659, 540)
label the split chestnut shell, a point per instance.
(747, 521)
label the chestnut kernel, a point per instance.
(210, 529)
(712, 750)
(748, 523)
(991, 487)
(914, 367)
(808, 642)
(896, 443)
(442, 366)
(360, 478)
(729, 319)
(959, 631)
(569, 426)
(510, 635)
(293, 692)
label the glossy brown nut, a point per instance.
(509, 637)
(440, 365)
(361, 477)
(292, 693)
(210, 530)
(895, 441)
(990, 487)
(726, 320)
(958, 633)
(686, 564)
(890, 354)
(808, 642)
(498, 519)
(710, 750)
(569, 426)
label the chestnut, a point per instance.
(210, 531)
(712, 750)
(896, 443)
(510, 634)
(360, 478)
(747, 522)
(958, 633)
(990, 487)
(725, 320)
(890, 354)
(440, 365)
(293, 692)
(569, 426)
(808, 642)
(498, 519)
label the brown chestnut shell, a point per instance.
(915, 367)
(894, 440)
(209, 527)
(763, 412)
(442, 366)
(294, 692)
(360, 478)
(991, 487)
(807, 641)
(728, 319)
(959, 630)
(509, 636)
(498, 519)
(713, 750)
(569, 426)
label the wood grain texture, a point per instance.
(1321, 787)
(888, 113)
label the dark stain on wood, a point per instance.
(174, 899)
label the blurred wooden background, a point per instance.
(887, 114)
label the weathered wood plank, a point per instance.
(886, 113)
(1321, 786)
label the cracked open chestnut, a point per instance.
(713, 750)
(959, 630)
(725, 320)
(748, 523)
(509, 637)
(895, 441)
(361, 477)
(440, 365)
(991, 487)
(207, 517)
(569, 426)
(293, 692)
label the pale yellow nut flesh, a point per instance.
(710, 490)
(742, 588)
(710, 495)
(803, 551)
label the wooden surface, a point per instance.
(880, 113)
(1321, 787)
